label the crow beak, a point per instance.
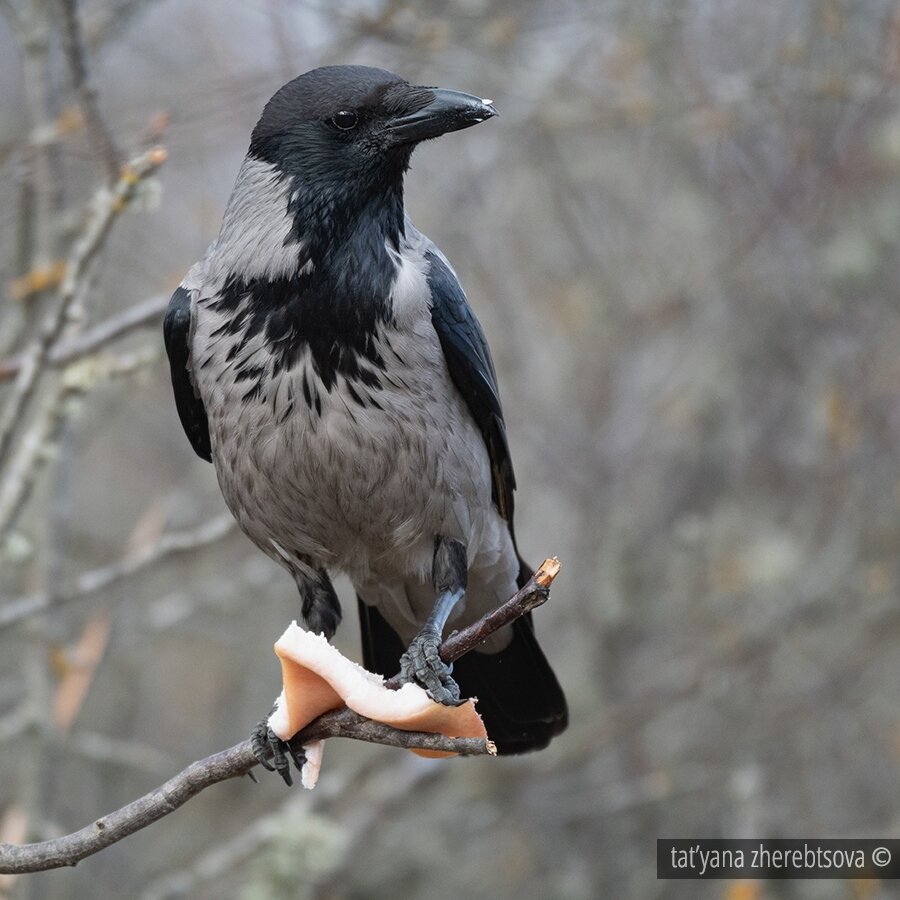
(448, 111)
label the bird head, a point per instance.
(357, 125)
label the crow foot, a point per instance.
(272, 753)
(422, 665)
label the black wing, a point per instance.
(472, 370)
(177, 332)
(519, 698)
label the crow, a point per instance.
(325, 359)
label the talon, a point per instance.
(259, 744)
(279, 760)
(298, 756)
(266, 746)
(423, 665)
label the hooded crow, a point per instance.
(326, 361)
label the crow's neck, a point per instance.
(279, 224)
(342, 223)
(321, 278)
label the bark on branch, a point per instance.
(147, 312)
(98, 133)
(106, 206)
(239, 760)
(89, 583)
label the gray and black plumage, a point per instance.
(325, 359)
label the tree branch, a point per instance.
(98, 134)
(105, 207)
(146, 312)
(239, 759)
(41, 441)
(534, 593)
(94, 580)
(24, 467)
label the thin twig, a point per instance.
(24, 467)
(113, 751)
(89, 583)
(118, 18)
(532, 594)
(239, 759)
(104, 208)
(98, 134)
(40, 245)
(147, 312)
(41, 441)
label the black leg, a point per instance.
(320, 606)
(421, 662)
(321, 612)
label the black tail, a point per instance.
(519, 698)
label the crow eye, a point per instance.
(345, 120)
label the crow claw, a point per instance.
(422, 665)
(266, 746)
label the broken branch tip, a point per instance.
(547, 571)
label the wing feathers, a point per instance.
(472, 370)
(177, 332)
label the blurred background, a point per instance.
(681, 236)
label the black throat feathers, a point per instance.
(339, 295)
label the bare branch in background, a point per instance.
(107, 204)
(148, 312)
(102, 748)
(89, 583)
(98, 133)
(239, 759)
(38, 232)
(112, 20)
(25, 467)
(42, 439)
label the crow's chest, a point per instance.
(340, 469)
